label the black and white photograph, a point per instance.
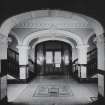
(52, 52)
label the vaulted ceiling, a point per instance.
(53, 19)
(40, 20)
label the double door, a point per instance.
(53, 62)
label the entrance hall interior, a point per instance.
(52, 57)
(53, 78)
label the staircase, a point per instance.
(92, 63)
(91, 66)
(100, 101)
(11, 65)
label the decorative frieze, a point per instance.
(53, 23)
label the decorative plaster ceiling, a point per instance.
(40, 20)
(56, 19)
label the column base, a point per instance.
(4, 101)
(19, 81)
(100, 96)
(23, 73)
(23, 81)
(88, 80)
(101, 99)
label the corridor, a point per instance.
(52, 90)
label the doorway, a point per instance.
(53, 64)
(53, 58)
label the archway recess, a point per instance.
(47, 34)
(39, 40)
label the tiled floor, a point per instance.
(14, 90)
(23, 94)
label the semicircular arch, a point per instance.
(57, 39)
(55, 33)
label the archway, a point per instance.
(50, 38)
(61, 35)
(52, 33)
(92, 23)
(53, 58)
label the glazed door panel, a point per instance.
(53, 62)
(48, 62)
(49, 57)
(57, 57)
(57, 62)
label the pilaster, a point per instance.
(3, 46)
(101, 64)
(82, 61)
(23, 62)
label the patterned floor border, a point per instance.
(53, 91)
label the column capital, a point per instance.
(3, 39)
(82, 54)
(82, 46)
(100, 38)
(23, 47)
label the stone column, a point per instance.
(82, 61)
(3, 46)
(74, 54)
(101, 63)
(3, 75)
(23, 61)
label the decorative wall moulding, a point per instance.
(56, 23)
(52, 25)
